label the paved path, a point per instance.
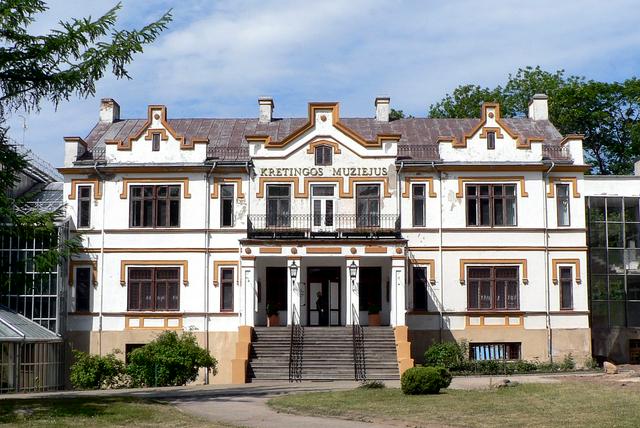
(245, 405)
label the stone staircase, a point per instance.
(327, 354)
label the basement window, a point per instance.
(494, 351)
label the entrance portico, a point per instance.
(322, 286)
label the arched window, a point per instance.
(324, 155)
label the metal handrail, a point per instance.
(296, 347)
(359, 359)
(308, 225)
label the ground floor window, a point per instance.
(420, 288)
(154, 289)
(493, 287)
(494, 351)
(226, 290)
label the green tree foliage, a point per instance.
(608, 114)
(53, 67)
(425, 380)
(169, 360)
(94, 371)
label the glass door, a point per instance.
(323, 208)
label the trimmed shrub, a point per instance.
(95, 372)
(449, 355)
(169, 360)
(425, 380)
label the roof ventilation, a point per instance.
(539, 107)
(382, 108)
(266, 109)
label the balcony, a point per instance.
(299, 226)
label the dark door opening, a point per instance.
(276, 277)
(370, 290)
(324, 301)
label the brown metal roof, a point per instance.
(418, 136)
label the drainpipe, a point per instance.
(433, 165)
(102, 235)
(206, 265)
(546, 262)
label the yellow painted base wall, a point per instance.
(576, 342)
(222, 345)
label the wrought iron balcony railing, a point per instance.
(313, 225)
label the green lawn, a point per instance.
(528, 405)
(90, 412)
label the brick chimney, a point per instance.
(382, 108)
(109, 110)
(539, 107)
(266, 109)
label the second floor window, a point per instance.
(562, 203)
(84, 206)
(420, 284)
(154, 289)
(323, 155)
(83, 289)
(278, 205)
(491, 205)
(154, 206)
(566, 288)
(493, 287)
(226, 205)
(367, 205)
(419, 205)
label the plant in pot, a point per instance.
(273, 319)
(374, 314)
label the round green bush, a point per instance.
(425, 380)
(446, 354)
(95, 372)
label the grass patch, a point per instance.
(90, 412)
(527, 405)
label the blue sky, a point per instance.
(217, 57)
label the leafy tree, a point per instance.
(53, 67)
(608, 114)
(169, 360)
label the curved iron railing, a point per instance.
(359, 359)
(296, 347)
(309, 225)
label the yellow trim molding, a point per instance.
(168, 180)
(97, 188)
(465, 262)
(124, 264)
(166, 319)
(555, 263)
(217, 264)
(218, 181)
(552, 188)
(73, 264)
(490, 180)
(263, 181)
(407, 185)
(507, 320)
(431, 263)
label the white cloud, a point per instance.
(218, 57)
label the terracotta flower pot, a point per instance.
(273, 321)
(374, 319)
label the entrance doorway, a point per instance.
(276, 288)
(370, 290)
(323, 296)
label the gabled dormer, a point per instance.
(491, 140)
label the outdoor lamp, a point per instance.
(293, 271)
(353, 270)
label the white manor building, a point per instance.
(458, 229)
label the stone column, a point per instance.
(293, 288)
(398, 291)
(353, 290)
(248, 291)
